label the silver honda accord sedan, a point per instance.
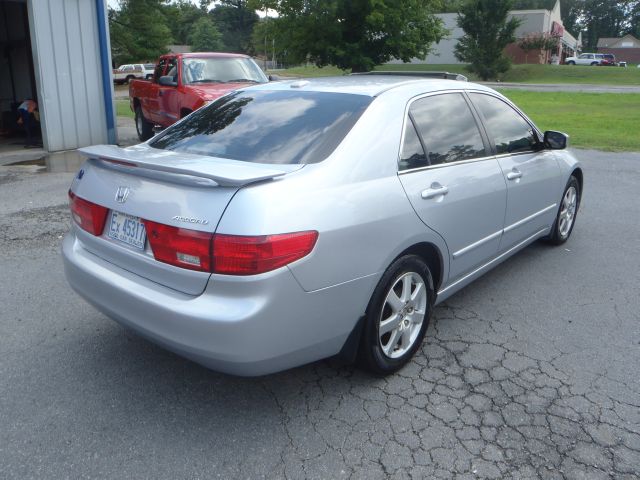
(298, 220)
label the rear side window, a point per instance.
(288, 127)
(448, 128)
(510, 132)
(412, 155)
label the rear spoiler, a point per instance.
(224, 172)
(418, 73)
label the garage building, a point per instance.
(57, 53)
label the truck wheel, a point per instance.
(143, 127)
(129, 78)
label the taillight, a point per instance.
(89, 216)
(226, 254)
(249, 255)
(180, 246)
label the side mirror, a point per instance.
(275, 78)
(556, 140)
(167, 81)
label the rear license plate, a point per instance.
(127, 229)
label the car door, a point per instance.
(531, 172)
(452, 180)
(168, 96)
(151, 101)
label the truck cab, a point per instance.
(182, 83)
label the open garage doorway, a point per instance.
(20, 132)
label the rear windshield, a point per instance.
(294, 127)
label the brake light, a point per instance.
(180, 246)
(88, 215)
(250, 255)
(226, 254)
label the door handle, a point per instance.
(514, 174)
(434, 190)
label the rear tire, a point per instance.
(397, 316)
(143, 127)
(594, 64)
(567, 212)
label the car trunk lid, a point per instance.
(180, 190)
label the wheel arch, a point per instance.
(184, 112)
(577, 172)
(432, 256)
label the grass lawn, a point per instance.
(518, 73)
(122, 108)
(602, 121)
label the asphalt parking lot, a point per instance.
(531, 372)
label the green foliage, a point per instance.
(181, 17)
(268, 41)
(486, 34)
(205, 37)
(139, 31)
(355, 34)
(235, 21)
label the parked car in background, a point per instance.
(608, 60)
(184, 82)
(127, 73)
(585, 59)
(292, 221)
(149, 68)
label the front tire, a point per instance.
(571, 62)
(397, 316)
(143, 127)
(566, 217)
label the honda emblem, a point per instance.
(122, 194)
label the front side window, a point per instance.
(160, 69)
(280, 126)
(448, 128)
(221, 70)
(510, 132)
(172, 68)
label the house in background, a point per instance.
(533, 22)
(626, 49)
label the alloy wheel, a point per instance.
(567, 211)
(402, 315)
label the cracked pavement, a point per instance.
(530, 372)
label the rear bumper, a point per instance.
(239, 325)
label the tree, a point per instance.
(355, 34)
(268, 41)
(181, 18)
(486, 34)
(205, 36)
(138, 31)
(235, 21)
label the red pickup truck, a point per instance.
(184, 82)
